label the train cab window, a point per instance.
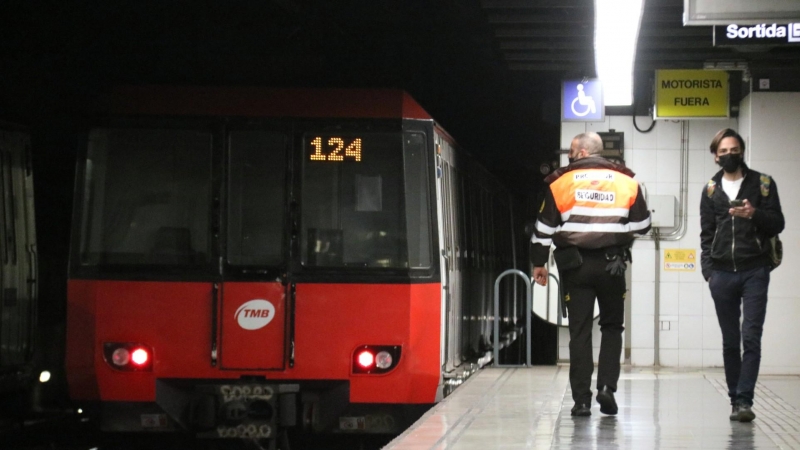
(146, 197)
(354, 209)
(256, 197)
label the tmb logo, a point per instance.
(255, 314)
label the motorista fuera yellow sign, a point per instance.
(691, 93)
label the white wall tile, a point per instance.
(691, 299)
(642, 297)
(598, 126)
(669, 299)
(569, 130)
(702, 131)
(691, 240)
(642, 267)
(669, 276)
(646, 140)
(623, 124)
(670, 338)
(643, 163)
(695, 193)
(697, 164)
(713, 358)
(642, 327)
(668, 357)
(669, 165)
(642, 357)
(690, 357)
(691, 332)
(668, 134)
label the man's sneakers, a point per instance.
(581, 410)
(734, 412)
(608, 405)
(746, 413)
(742, 412)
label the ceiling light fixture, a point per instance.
(616, 30)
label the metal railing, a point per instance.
(528, 310)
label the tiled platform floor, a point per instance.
(529, 408)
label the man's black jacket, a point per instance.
(735, 243)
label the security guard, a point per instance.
(590, 212)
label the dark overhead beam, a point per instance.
(677, 44)
(553, 67)
(701, 32)
(573, 19)
(531, 4)
(688, 56)
(542, 45)
(547, 56)
(543, 33)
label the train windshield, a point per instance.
(365, 201)
(149, 199)
(146, 197)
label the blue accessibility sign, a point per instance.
(582, 101)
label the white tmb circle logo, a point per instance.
(255, 314)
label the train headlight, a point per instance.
(140, 357)
(121, 357)
(128, 356)
(383, 360)
(366, 359)
(375, 359)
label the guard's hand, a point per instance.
(540, 275)
(616, 267)
(745, 211)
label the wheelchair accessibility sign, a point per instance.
(582, 101)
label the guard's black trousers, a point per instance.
(581, 286)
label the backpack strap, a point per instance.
(765, 181)
(711, 187)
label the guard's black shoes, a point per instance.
(746, 413)
(734, 412)
(581, 410)
(608, 405)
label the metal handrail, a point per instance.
(528, 310)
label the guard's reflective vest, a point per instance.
(591, 204)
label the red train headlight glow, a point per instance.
(140, 357)
(375, 359)
(128, 356)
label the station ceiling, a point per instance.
(488, 70)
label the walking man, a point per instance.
(591, 211)
(739, 212)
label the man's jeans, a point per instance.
(730, 290)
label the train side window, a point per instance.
(417, 183)
(256, 198)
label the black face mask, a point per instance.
(571, 160)
(730, 162)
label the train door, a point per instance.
(17, 251)
(253, 293)
(449, 259)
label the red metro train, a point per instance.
(245, 259)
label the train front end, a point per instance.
(238, 269)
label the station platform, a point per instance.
(529, 408)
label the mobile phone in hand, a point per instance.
(736, 203)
